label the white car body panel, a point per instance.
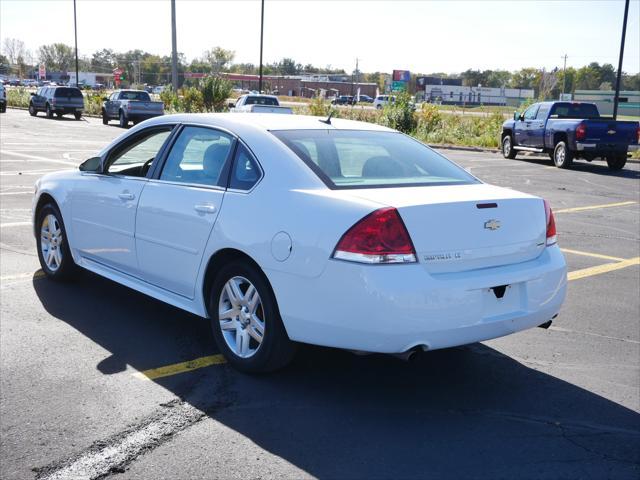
(290, 223)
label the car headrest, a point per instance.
(213, 161)
(382, 167)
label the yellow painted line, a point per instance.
(607, 267)
(594, 207)
(182, 367)
(594, 255)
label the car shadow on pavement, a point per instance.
(596, 167)
(463, 412)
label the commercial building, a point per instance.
(303, 85)
(460, 95)
(629, 103)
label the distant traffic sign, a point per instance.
(42, 71)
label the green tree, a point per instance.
(219, 58)
(57, 57)
(526, 78)
(288, 66)
(103, 61)
(215, 92)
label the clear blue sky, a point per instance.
(421, 36)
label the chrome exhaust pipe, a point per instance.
(411, 354)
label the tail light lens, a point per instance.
(380, 237)
(638, 134)
(581, 131)
(552, 236)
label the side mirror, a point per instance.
(105, 99)
(231, 105)
(94, 164)
(33, 94)
(516, 115)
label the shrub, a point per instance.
(215, 93)
(318, 107)
(399, 114)
(192, 101)
(17, 97)
(170, 100)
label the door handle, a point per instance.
(205, 208)
(126, 196)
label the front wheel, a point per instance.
(507, 148)
(617, 161)
(245, 320)
(48, 111)
(32, 110)
(78, 115)
(105, 119)
(562, 156)
(53, 248)
(123, 120)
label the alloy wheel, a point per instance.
(51, 242)
(241, 316)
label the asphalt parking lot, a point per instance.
(98, 380)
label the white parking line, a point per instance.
(30, 172)
(36, 157)
(28, 192)
(14, 224)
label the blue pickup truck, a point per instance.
(568, 131)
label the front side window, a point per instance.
(530, 113)
(136, 156)
(542, 113)
(198, 157)
(369, 159)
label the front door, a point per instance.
(523, 127)
(178, 208)
(104, 205)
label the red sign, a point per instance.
(42, 71)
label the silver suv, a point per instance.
(58, 100)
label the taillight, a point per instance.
(552, 236)
(380, 237)
(581, 132)
(638, 134)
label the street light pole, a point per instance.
(564, 75)
(261, 39)
(616, 98)
(174, 48)
(75, 30)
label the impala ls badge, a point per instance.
(492, 225)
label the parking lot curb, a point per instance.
(90, 115)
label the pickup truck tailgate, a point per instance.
(611, 131)
(145, 107)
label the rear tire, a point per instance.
(53, 248)
(562, 156)
(48, 111)
(617, 161)
(507, 148)
(247, 316)
(105, 119)
(59, 114)
(77, 115)
(123, 120)
(3, 108)
(32, 110)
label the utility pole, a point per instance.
(564, 74)
(75, 29)
(616, 98)
(174, 48)
(261, 39)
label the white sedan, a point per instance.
(284, 228)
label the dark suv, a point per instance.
(344, 100)
(58, 100)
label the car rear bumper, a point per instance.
(64, 110)
(394, 308)
(602, 148)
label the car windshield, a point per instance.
(367, 159)
(141, 96)
(575, 110)
(68, 92)
(261, 101)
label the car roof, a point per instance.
(268, 121)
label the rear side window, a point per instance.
(346, 159)
(68, 92)
(245, 173)
(198, 156)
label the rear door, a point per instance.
(179, 206)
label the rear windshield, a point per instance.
(261, 101)
(141, 96)
(364, 159)
(574, 110)
(68, 92)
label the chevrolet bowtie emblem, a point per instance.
(492, 225)
(611, 132)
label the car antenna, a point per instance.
(328, 120)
